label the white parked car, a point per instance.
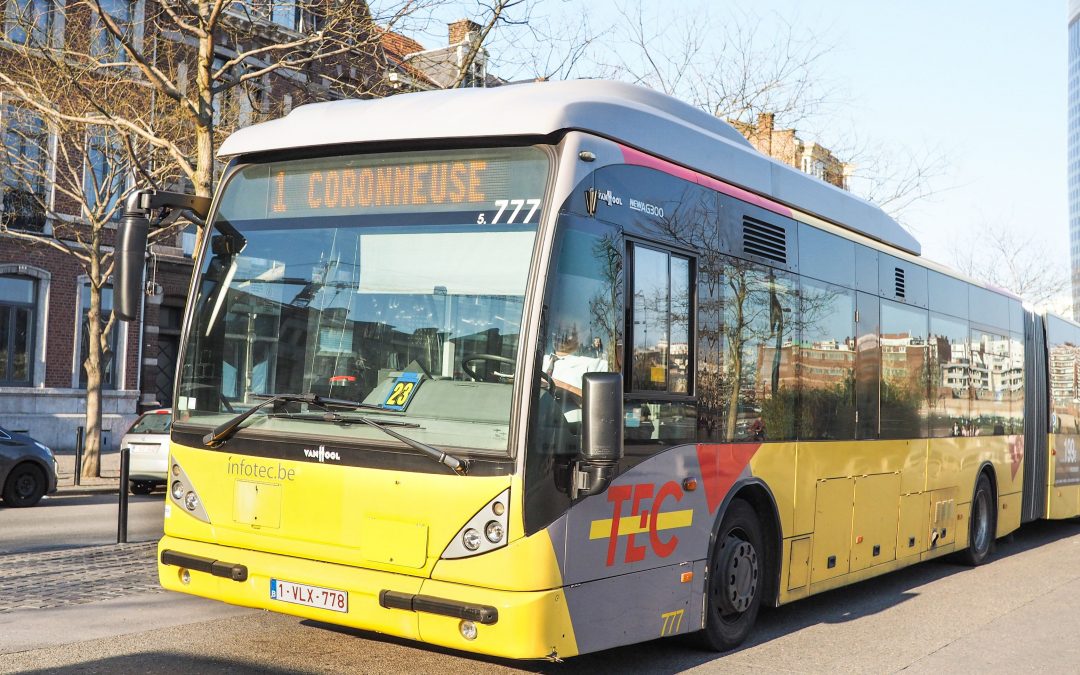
(148, 439)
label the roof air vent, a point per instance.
(764, 240)
(900, 284)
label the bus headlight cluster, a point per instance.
(485, 531)
(183, 493)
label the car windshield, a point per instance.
(395, 280)
(152, 423)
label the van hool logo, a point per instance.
(322, 454)
(609, 198)
(594, 197)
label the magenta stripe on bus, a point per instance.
(638, 158)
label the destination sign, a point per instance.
(503, 185)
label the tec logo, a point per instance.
(638, 510)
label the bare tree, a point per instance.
(67, 202)
(165, 80)
(1004, 257)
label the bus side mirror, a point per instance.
(130, 257)
(601, 433)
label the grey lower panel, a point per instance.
(636, 607)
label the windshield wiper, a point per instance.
(225, 431)
(457, 465)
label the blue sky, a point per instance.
(981, 83)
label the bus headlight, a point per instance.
(471, 539)
(494, 531)
(191, 501)
(177, 490)
(485, 531)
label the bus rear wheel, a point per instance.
(982, 524)
(736, 579)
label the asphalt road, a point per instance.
(65, 521)
(1016, 614)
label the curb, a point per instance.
(80, 490)
(102, 485)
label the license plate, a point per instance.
(311, 596)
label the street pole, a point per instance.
(122, 515)
(78, 454)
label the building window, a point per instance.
(103, 43)
(18, 305)
(105, 174)
(26, 169)
(292, 14)
(108, 358)
(29, 22)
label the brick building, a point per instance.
(785, 146)
(44, 293)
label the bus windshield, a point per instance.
(396, 280)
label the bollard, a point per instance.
(122, 515)
(78, 455)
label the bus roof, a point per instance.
(648, 120)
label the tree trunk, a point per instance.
(203, 177)
(92, 451)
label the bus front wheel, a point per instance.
(736, 579)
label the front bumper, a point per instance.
(528, 625)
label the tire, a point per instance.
(982, 524)
(25, 486)
(736, 579)
(141, 487)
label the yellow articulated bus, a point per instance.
(551, 368)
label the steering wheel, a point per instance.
(549, 381)
(466, 360)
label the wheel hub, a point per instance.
(25, 485)
(738, 575)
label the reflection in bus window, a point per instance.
(826, 363)
(760, 312)
(1014, 385)
(989, 371)
(661, 320)
(581, 332)
(903, 371)
(1064, 348)
(950, 376)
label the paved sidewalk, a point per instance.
(48, 579)
(108, 482)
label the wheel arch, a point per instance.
(32, 461)
(755, 492)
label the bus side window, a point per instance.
(950, 376)
(904, 363)
(825, 359)
(580, 332)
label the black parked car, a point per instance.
(27, 469)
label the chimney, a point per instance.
(459, 31)
(765, 122)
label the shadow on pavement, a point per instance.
(841, 605)
(159, 662)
